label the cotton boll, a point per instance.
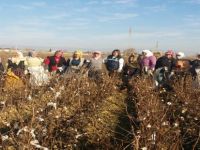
(62, 88)
(57, 95)
(4, 137)
(176, 124)
(149, 126)
(52, 89)
(2, 102)
(40, 119)
(77, 136)
(52, 104)
(169, 103)
(29, 98)
(184, 110)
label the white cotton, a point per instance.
(4, 137)
(52, 104)
(176, 124)
(77, 136)
(57, 95)
(169, 103)
(7, 124)
(29, 98)
(25, 129)
(36, 144)
(148, 126)
(144, 148)
(153, 136)
(184, 110)
(38, 76)
(32, 133)
(62, 88)
(2, 102)
(40, 119)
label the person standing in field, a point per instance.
(148, 62)
(114, 63)
(167, 61)
(195, 70)
(1, 73)
(180, 61)
(164, 68)
(95, 67)
(76, 62)
(182, 64)
(38, 76)
(130, 69)
(16, 67)
(1, 67)
(56, 64)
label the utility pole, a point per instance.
(130, 37)
(156, 45)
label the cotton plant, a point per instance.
(34, 142)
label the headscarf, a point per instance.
(18, 58)
(118, 51)
(180, 55)
(79, 53)
(20, 54)
(98, 52)
(148, 53)
(58, 51)
(198, 55)
(30, 53)
(170, 52)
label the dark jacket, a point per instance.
(17, 69)
(166, 62)
(195, 64)
(51, 62)
(130, 70)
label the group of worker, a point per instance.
(146, 63)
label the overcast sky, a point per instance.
(101, 24)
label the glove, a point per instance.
(171, 74)
(150, 72)
(165, 68)
(119, 70)
(60, 69)
(146, 69)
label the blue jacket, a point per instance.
(112, 63)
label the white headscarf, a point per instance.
(97, 57)
(20, 54)
(19, 57)
(148, 52)
(180, 55)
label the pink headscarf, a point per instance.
(170, 52)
